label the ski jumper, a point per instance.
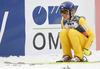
(75, 35)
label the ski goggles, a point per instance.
(64, 11)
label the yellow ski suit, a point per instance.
(75, 35)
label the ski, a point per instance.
(22, 63)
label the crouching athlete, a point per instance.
(76, 34)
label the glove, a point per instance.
(87, 52)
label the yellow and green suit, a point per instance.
(75, 35)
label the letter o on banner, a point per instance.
(34, 43)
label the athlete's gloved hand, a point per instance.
(87, 52)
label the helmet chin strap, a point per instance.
(71, 16)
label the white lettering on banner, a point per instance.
(3, 25)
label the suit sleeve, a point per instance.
(89, 32)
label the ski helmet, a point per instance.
(67, 8)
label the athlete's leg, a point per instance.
(65, 43)
(78, 41)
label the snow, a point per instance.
(48, 58)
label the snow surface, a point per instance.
(48, 58)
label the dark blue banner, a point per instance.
(13, 39)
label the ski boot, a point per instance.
(84, 59)
(77, 59)
(65, 58)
